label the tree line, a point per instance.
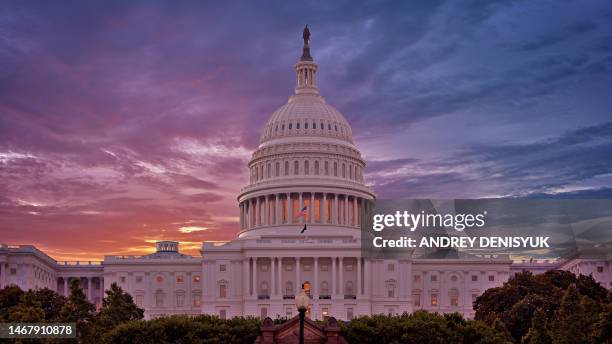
(552, 308)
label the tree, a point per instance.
(602, 329)
(79, 310)
(9, 297)
(118, 307)
(572, 323)
(50, 301)
(539, 332)
(28, 309)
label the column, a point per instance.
(346, 213)
(277, 217)
(298, 285)
(312, 208)
(333, 276)
(101, 281)
(255, 291)
(272, 276)
(355, 212)
(341, 277)
(359, 289)
(256, 212)
(266, 211)
(315, 289)
(324, 212)
(246, 274)
(335, 210)
(301, 205)
(280, 276)
(289, 208)
(367, 273)
(66, 286)
(240, 209)
(249, 216)
(89, 289)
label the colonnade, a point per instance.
(267, 277)
(284, 208)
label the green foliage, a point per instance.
(186, 330)
(516, 302)
(79, 310)
(10, 297)
(539, 332)
(118, 307)
(422, 327)
(28, 310)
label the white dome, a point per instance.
(307, 115)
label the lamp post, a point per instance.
(301, 302)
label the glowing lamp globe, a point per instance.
(302, 300)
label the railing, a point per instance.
(80, 263)
(263, 297)
(325, 297)
(288, 297)
(350, 297)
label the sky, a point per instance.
(127, 122)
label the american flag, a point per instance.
(302, 212)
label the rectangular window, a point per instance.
(222, 314)
(263, 313)
(391, 267)
(196, 278)
(434, 299)
(13, 271)
(491, 278)
(288, 311)
(434, 278)
(474, 278)
(600, 269)
(122, 279)
(180, 278)
(222, 291)
(197, 300)
(417, 278)
(454, 300)
(180, 300)
(349, 313)
(139, 300)
(474, 297)
(138, 279)
(417, 300)
(222, 267)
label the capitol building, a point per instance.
(306, 159)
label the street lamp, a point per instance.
(301, 302)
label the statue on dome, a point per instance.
(306, 35)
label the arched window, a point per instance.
(314, 125)
(327, 168)
(268, 170)
(290, 125)
(286, 168)
(277, 172)
(335, 169)
(343, 170)
(261, 174)
(305, 125)
(297, 126)
(296, 167)
(336, 127)
(329, 127)
(321, 125)
(289, 288)
(316, 167)
(306, 167)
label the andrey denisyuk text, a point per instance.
(404, 220)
